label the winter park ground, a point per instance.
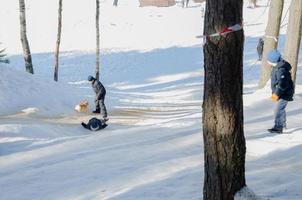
(153, 146)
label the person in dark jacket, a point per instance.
(260, 48)
(282, 88)
(100, 93)
(95, 124)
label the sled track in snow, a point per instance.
(120, 116)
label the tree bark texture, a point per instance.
(56, 68)
(270, 38)
(25, 45)
(97, 25)
(224, 142)
(293, 36)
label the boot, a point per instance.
(275, 130)
(96, 111)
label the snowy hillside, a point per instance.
(21, 91)
(152, 68)
(126, 27)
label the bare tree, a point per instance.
(26, 50)
(271, 38)
(224, 142)
(293, 36)
(97, 25)
(56, 68)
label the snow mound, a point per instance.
(247, 194)
(21, 92)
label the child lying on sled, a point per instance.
(95, 124)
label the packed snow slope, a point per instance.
(152, 67)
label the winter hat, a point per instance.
(94, 124)
(90, 78)
(274, 56)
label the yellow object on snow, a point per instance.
(82, 106)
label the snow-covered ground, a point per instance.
(151, 65)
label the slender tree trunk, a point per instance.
(271, 38)
(58, 41)
(115, 2)
(293, 36)
(224, 142)
(97, 24)
(26, 50)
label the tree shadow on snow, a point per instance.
(134, 67)
(277, 175)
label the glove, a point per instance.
(275, 97)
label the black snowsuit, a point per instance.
(95, 124)
(100, 93)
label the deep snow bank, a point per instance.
(23, 92)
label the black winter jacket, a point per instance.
(260, 46)
(95, 124)
(99, 89)
(281, 81)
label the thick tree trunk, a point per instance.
(271, 38)
(224, 142)
(26, 51)
(58, 41)
(293, 36)
(97, 25)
